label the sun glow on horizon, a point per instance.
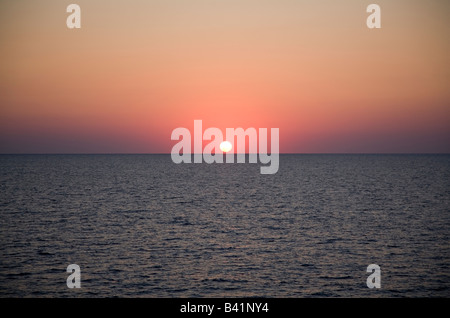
(225, 146)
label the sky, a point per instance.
(136, 70)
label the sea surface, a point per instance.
(142, 226)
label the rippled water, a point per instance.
(142, 226)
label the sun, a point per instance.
(225, 146)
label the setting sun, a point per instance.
(225, 146)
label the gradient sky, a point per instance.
(136, 70)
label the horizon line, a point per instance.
(280, 153)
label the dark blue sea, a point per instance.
(142, 226)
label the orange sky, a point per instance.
(136, 70)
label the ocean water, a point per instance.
(142, 226)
